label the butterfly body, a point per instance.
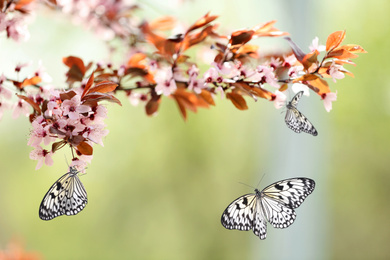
(67, 196)
(274, 204)
(295, 120)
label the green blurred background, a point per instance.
(159, 186)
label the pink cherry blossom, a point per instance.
(21, 108)
(280, 99)
(335, 71)
(42, 155)
(196, 85)
(40, 132)
(95, 133)
(166, 85)
(211, 76)
(266, 73)
(73, 108)
(289, 61)
(328, 98)
(136, 98)
(315, 46)
(17, 30)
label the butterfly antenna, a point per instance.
(247, 185)
(260, 180)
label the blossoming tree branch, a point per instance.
(157, 69)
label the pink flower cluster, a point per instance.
(67, 122)
(14, 24)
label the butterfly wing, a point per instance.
(66, 196)
(244, 214)
(280, 198)
(295, 120)
(295, 100)
(240, 213)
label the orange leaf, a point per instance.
(85, 148)
(88, 85)
(267, 29)
(31, 102)
(352, 48)
(334, 40)
(319, 85)
(306, 77)
(237, 100)
(163, 23)
(202, 22)
(341, 54)
(31, 81)
(310, 59)
(206, 95)
(136, 59)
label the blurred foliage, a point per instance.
(159, 186)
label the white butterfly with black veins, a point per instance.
(67, 196)
(295, 120)
(275, 204)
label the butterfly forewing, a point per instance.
(275, 204)
(290, 192)
(240, 213)
(295, 120)
(67, 196)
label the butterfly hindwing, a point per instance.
(67, 196)
(275, 204)
(295, 120)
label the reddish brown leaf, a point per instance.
(202, 22)
(103, 87)
(237, 100)
(241, 37)
(76, 66)
(85, 148)
(31, 102)
(88, 85)
(334, 40)
(58, 145)
(254, 90)
(192, 39)
(67, 95)
(152, 106)
(91, 98)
